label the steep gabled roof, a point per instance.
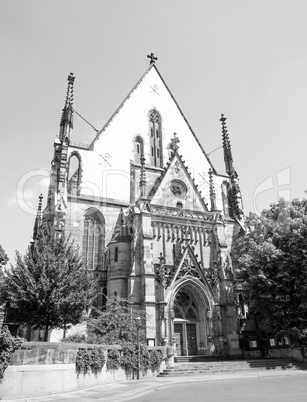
(152, 66)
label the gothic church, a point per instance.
(152, 217)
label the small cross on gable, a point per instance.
(152, 58)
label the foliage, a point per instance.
(116, 324)
(86, 360)
(129, 357)
(49, 287)
(272, 264)
(75, 338)
(155, 359)
(8, 345)
(114, 360)
(3, 261)
(3, 257)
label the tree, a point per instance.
(48, 287)
(272, 264)
(3, 261)
(3, 257)
(117, 324)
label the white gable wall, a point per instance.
(117, 140)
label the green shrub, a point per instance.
(89, 360)
(114, 360)
(129, 357)
(97, 360)
(155, 359)
(82, 361)
(8, 345)
(75, 338)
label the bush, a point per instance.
(75, 338)
(8, 345)
(87, 360)
(155, 359)
(130, 357)
(114, 360)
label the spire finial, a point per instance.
(40, 203)
(174, 143)
(67, 112)
(226, 146)
(212, 191)
(152, 58)
(38, 218)
(143, 177)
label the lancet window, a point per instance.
(74, 174)
(93, 239)
(155, 135)
(225, 199)
(138, 148)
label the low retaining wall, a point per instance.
(282, 353)
(40, 368)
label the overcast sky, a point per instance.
(246, 59)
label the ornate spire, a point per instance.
(152, 58)
(38, 218)
(212, 191)
(67, 112)
(174, 143)
(227, 147)
(143, 177)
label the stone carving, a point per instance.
(184, 214)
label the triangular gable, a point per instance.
(152, 66)
(175, 187)
(121, 105)
(128, 134)
(189, 266)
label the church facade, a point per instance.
(152, 217)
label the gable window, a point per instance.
(156, 158)
(138, 148)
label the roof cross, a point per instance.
(152, 58)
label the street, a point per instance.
(270, 389)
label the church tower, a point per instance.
(153, 227)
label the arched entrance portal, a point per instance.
(187, 323)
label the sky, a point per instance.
(245, 59)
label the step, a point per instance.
(233, 366)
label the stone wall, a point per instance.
(41, 368)
(281, 353)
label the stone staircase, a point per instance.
(200, 365)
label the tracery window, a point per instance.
(138, 148)
(155, 128)
(93, 239)
(184, 306)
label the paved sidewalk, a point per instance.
(127, 390)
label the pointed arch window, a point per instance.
(116, 254)
(138, 148)
(74, 174)
(156, 150)
(93, 240)
(225, 199)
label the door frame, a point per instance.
(183, 323)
